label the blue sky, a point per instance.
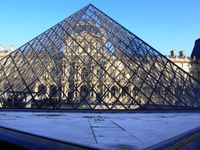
(164, 24)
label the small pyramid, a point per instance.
(89, 61)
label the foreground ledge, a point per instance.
(105, 130)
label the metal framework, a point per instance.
(89, 61)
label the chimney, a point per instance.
(196, 50)
(181, 53)
(173, 53)
(10, 48)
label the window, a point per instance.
(52, 91)
(84, 91)
(113, 90)
(84, 73)
(41, 90)
(124, 91)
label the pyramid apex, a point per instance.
(90, 5)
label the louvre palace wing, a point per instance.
(89, 61)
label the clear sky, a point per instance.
(164, 24)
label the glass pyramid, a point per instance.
(89, 61)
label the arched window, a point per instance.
(41, 90)
(125, 90)
(9, 93)
(113, 90)
(84, 91)
(52, 91)
(84, 73)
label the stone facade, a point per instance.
(82, 79)
(190, 65)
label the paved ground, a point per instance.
(103, 130)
